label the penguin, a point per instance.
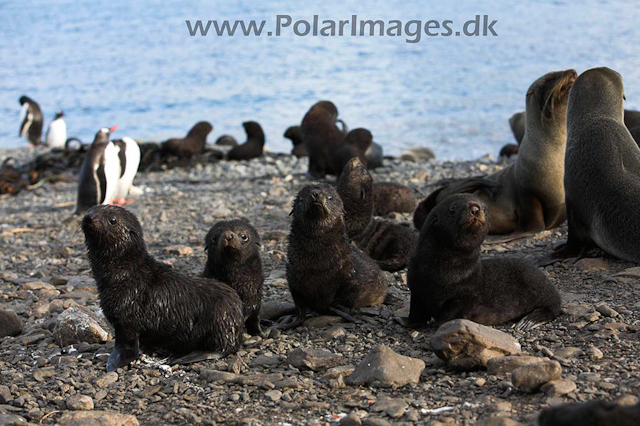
(99, 173)
(57, 132)
(129, 156)
(30, 121)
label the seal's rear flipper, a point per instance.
(534, 319)
(340, 311)
(195, 356)
(291, 323)
(501, 239)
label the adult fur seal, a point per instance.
(388, 243)
(191, 145)
(294, 134)
(449, 280)
(233, 257)
(391, 197)
(602, 177)
(148, 303)
(324, 270)
(31, 121)
(254, 145)
(321, 135)
(592, 413)
(526, 196)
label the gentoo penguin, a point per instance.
(99, 173)
(254, 145)
(129, 156)
(30, 121)
(57, 132)
(190, 146)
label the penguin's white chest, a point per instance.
(57, 134)
(111, 172)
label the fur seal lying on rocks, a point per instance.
(592, 413)
(388, 243)
(526, 196)
(233, 257)
(602, 177)
(391, 197)
(448, 279)
(148, 303)
(324, 271)
(321, 136)
(191, 145)
(254, 145)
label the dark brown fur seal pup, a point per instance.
(294, 134)
(356, 143)
(226, 140)
(234, 259)
(388, 243)
(448, 280)
(190, 146)
(391, 197)
(254, 145)
(150, 304)
(320, 135)
(324, 270)
(517, 123)
(592, 413)
(602, 178)
(508, 151)
(527, 196)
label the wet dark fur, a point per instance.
(147, 302)
(592, 413)
(233, 257)
(509, 150)
(321, 135)
(323, 269)
(449, 280)
(294, 134)
(191, 145)
(254, 145)
(355, 144)
(88, 192)
(391, 197)
(35, 129)
(388, 243)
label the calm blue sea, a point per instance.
(134, 64)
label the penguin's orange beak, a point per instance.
(113, 128)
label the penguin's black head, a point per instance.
(459, 222)
(254, 131)
(200, 131)
(24, 100)
(232, 240)
(360, 138)
(103, 135)
(112, 232)
(59, 114)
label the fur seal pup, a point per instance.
(233, 257)
(129, 156)
(391, 197)
(148, 303)
(508, 151)
(355, 144)
(99, 173)
(191, 145)
(448, 279)
(517, 124)
(389, 244)
(526, 196)
(324, 270)
(592, 413)
(254, 145)
(374, 156)
(321, 135)
(57, 132)
(31, 121)
(226, 140)
(602, 171)
(294, 134)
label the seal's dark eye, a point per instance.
(329, 197)
(113, 220)
(452, 209)
(244, 237)
(484, 208)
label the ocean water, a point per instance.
(136, 65)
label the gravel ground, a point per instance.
(176, 208)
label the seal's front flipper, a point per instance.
(196, 356)
(534, 319)
(120, 357)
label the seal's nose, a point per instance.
(228, 236)
(475, 209)
(315, 194)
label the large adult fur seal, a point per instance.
(592, 413)
(233, 257)
(31, 121)
(254, 145)
(321, 135)
(191, 145)
(528, 195)
(294, 134)
(390, 244)
(449, 280)
(324, 270)
(602, 171)
(148, 303)
(391, 197)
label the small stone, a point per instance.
(558, 387)
(393, 407)
(606, 311)
(531, 377)
(499, 421)
(265, 361)
(592, 264)
(569, 352)
(273, 395)
(97, 418)
(5, 394)
(273, 310)
(383, 367)
(334, 332)
(10, 324)
(179, 250)
(36, 285)
(218, 376)
(480, 381)
(506, 364)
(79, 402)
(350, 420)
(314, 359)
(107, 379)
(163, 216)
(375, 421)
(335, 372)
(78, 324)
(466, 345)
(42, 375)
(322, 321)
(594, 353)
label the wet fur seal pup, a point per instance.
(233, 257)
(526, 196)
(356, 143)
(254, 145)
(100, 172)
(592, 413)
(325, 271)
(226, 140)
(294, 134)
(508, 151)
(129, 155)
(389, 244)
(448, 279)
(321, 136)
(389, 197)
(148, 303)
(57, 132)
(602, 171)
(31, 121)
(374, 156)
(191, 145)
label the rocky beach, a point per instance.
(376, 372)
